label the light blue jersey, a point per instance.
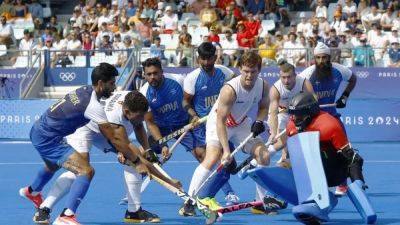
(204, 88)
(166, 102)
(326, 89)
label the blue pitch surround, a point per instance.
(19, 163)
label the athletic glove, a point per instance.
(257, 128)
(151, 156)
(341, 102)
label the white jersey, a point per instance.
(238, 122)
(245, 100)
(285, 94)
(90, 134)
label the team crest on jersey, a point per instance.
(173, 91)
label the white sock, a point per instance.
(199, 176)
(260, 193)
(68, 212)
(59, 189)
(133, 183)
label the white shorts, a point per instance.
(235, 134)
(83, 139)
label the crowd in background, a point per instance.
(360, 33)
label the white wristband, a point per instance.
(271, 150)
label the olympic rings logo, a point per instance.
(67, 76)
(362, 74)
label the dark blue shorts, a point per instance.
(53, 150)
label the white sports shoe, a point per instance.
(66, 220)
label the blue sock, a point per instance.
(41, 179)
(211, 188)
(227, 189)
(77, 192)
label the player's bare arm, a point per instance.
(152, 126)
(155, 132)
(263, 105)
(274, 110)
(116, 134)
(352, 83)
(141, 136)
(307, 86)
(227, 98)
(188, 106)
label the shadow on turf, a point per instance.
(191, 221)
(360, 221)
(392, 194)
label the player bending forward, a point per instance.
(339, 159)
(125, 111)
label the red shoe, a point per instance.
(36, 199)
(341, 190)
(66, 220)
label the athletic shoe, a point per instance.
(187, 209)
(123, 201)
(66, 220)
(341, 190)
(211, 203)
(261, 210)
(36, 199)
(274, 203)
(231, 199)
(141, 216)
(42, 216)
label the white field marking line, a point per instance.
(15, 142)
(175, 162)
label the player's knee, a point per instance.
(200, 154)
(87, 171)
(211, 158)
(261, 155)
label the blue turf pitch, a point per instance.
(19, 163)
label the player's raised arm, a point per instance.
(227, 98)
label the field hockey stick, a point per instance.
(171, 150)
(246, 162)
(238, 207)
(321, 106)
(221, 166)
(210, 215)
(146, 181)
(176, 133)
(327, 105)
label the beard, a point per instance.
(208, 69)
(323, 71)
